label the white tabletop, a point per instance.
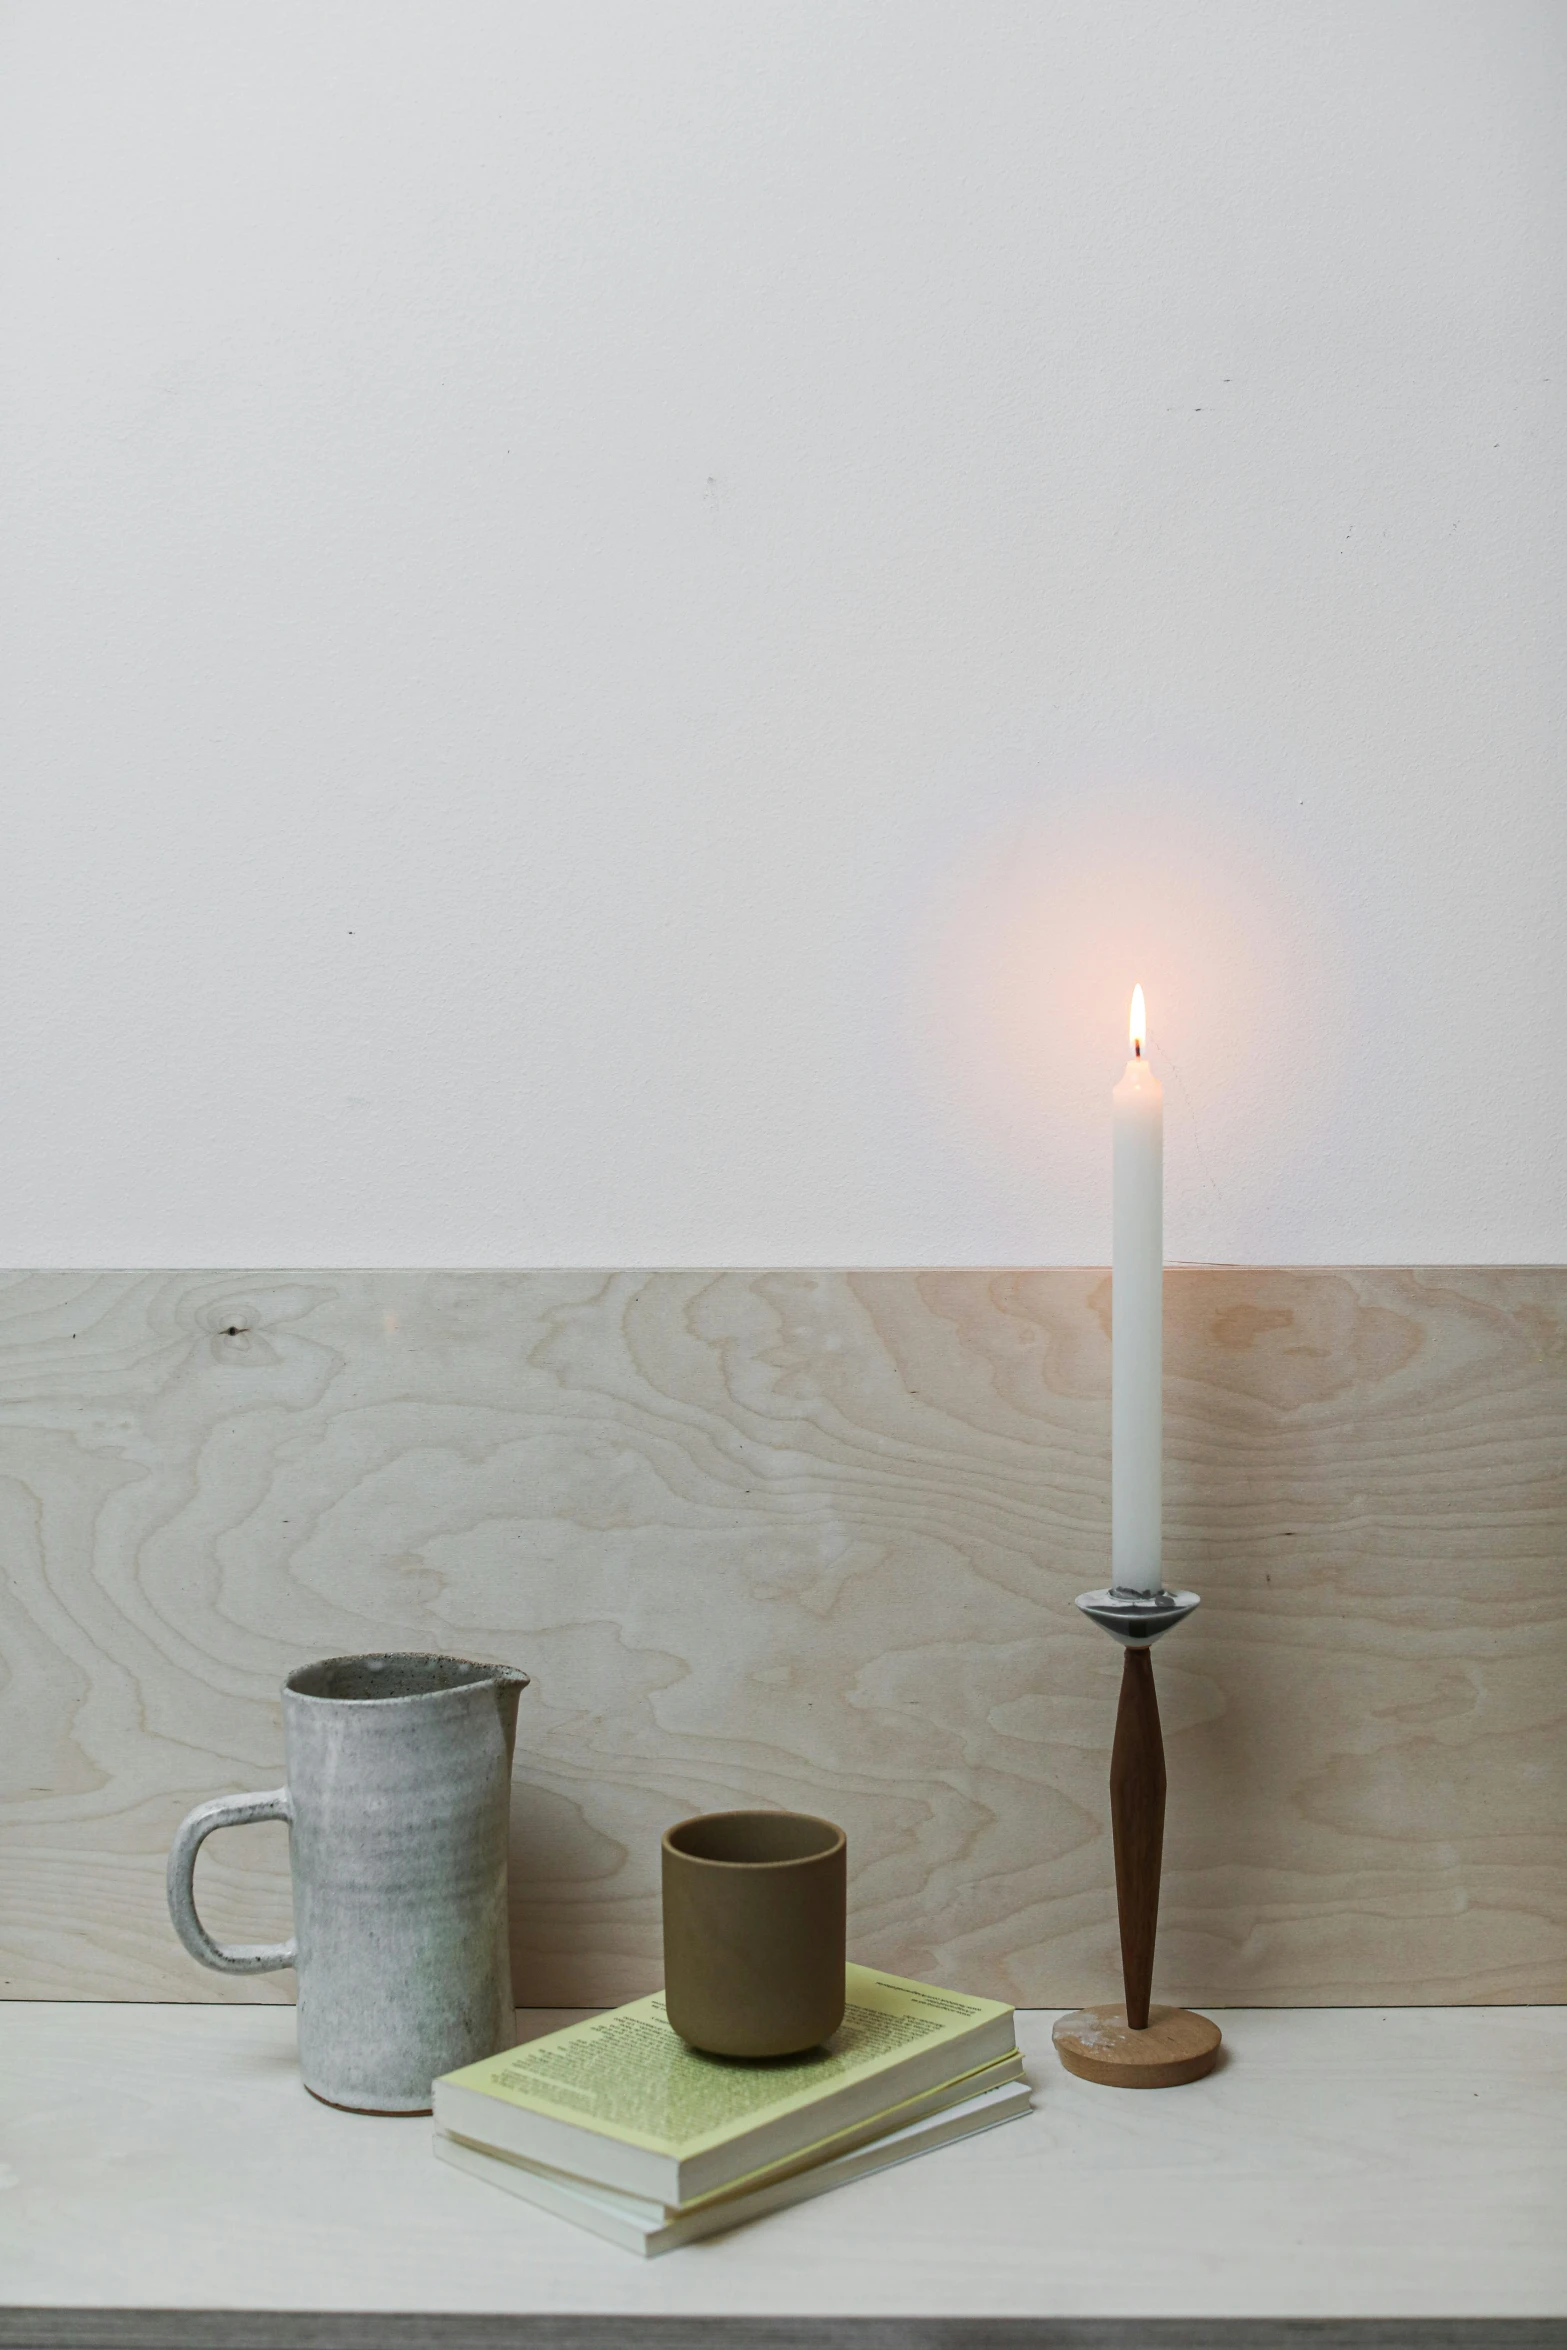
(1342, 2162)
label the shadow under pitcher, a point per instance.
(397, 1802)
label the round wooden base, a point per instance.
(1098, 2044)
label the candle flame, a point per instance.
(1138, 1024)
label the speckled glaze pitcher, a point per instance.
(399, 1788)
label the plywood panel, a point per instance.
(811, 1538)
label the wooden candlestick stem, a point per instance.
(1137, 1822)
(1135, 2045)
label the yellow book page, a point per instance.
(630, 2076)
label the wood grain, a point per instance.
(1137, 1796)
(810, 1538)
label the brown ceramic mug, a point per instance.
(754, 1931)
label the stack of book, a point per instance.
(615, 2123)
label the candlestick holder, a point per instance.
(1134, 2045)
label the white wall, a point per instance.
(631, 621)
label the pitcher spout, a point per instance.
(508, 1682)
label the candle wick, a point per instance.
(1137, 1047)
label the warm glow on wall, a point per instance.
(1029, 945)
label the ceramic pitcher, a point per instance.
(399, 1786)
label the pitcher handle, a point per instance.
(225, 1811)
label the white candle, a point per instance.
(1137, 1324)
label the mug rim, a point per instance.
(799, 1860)
(485, 1676)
